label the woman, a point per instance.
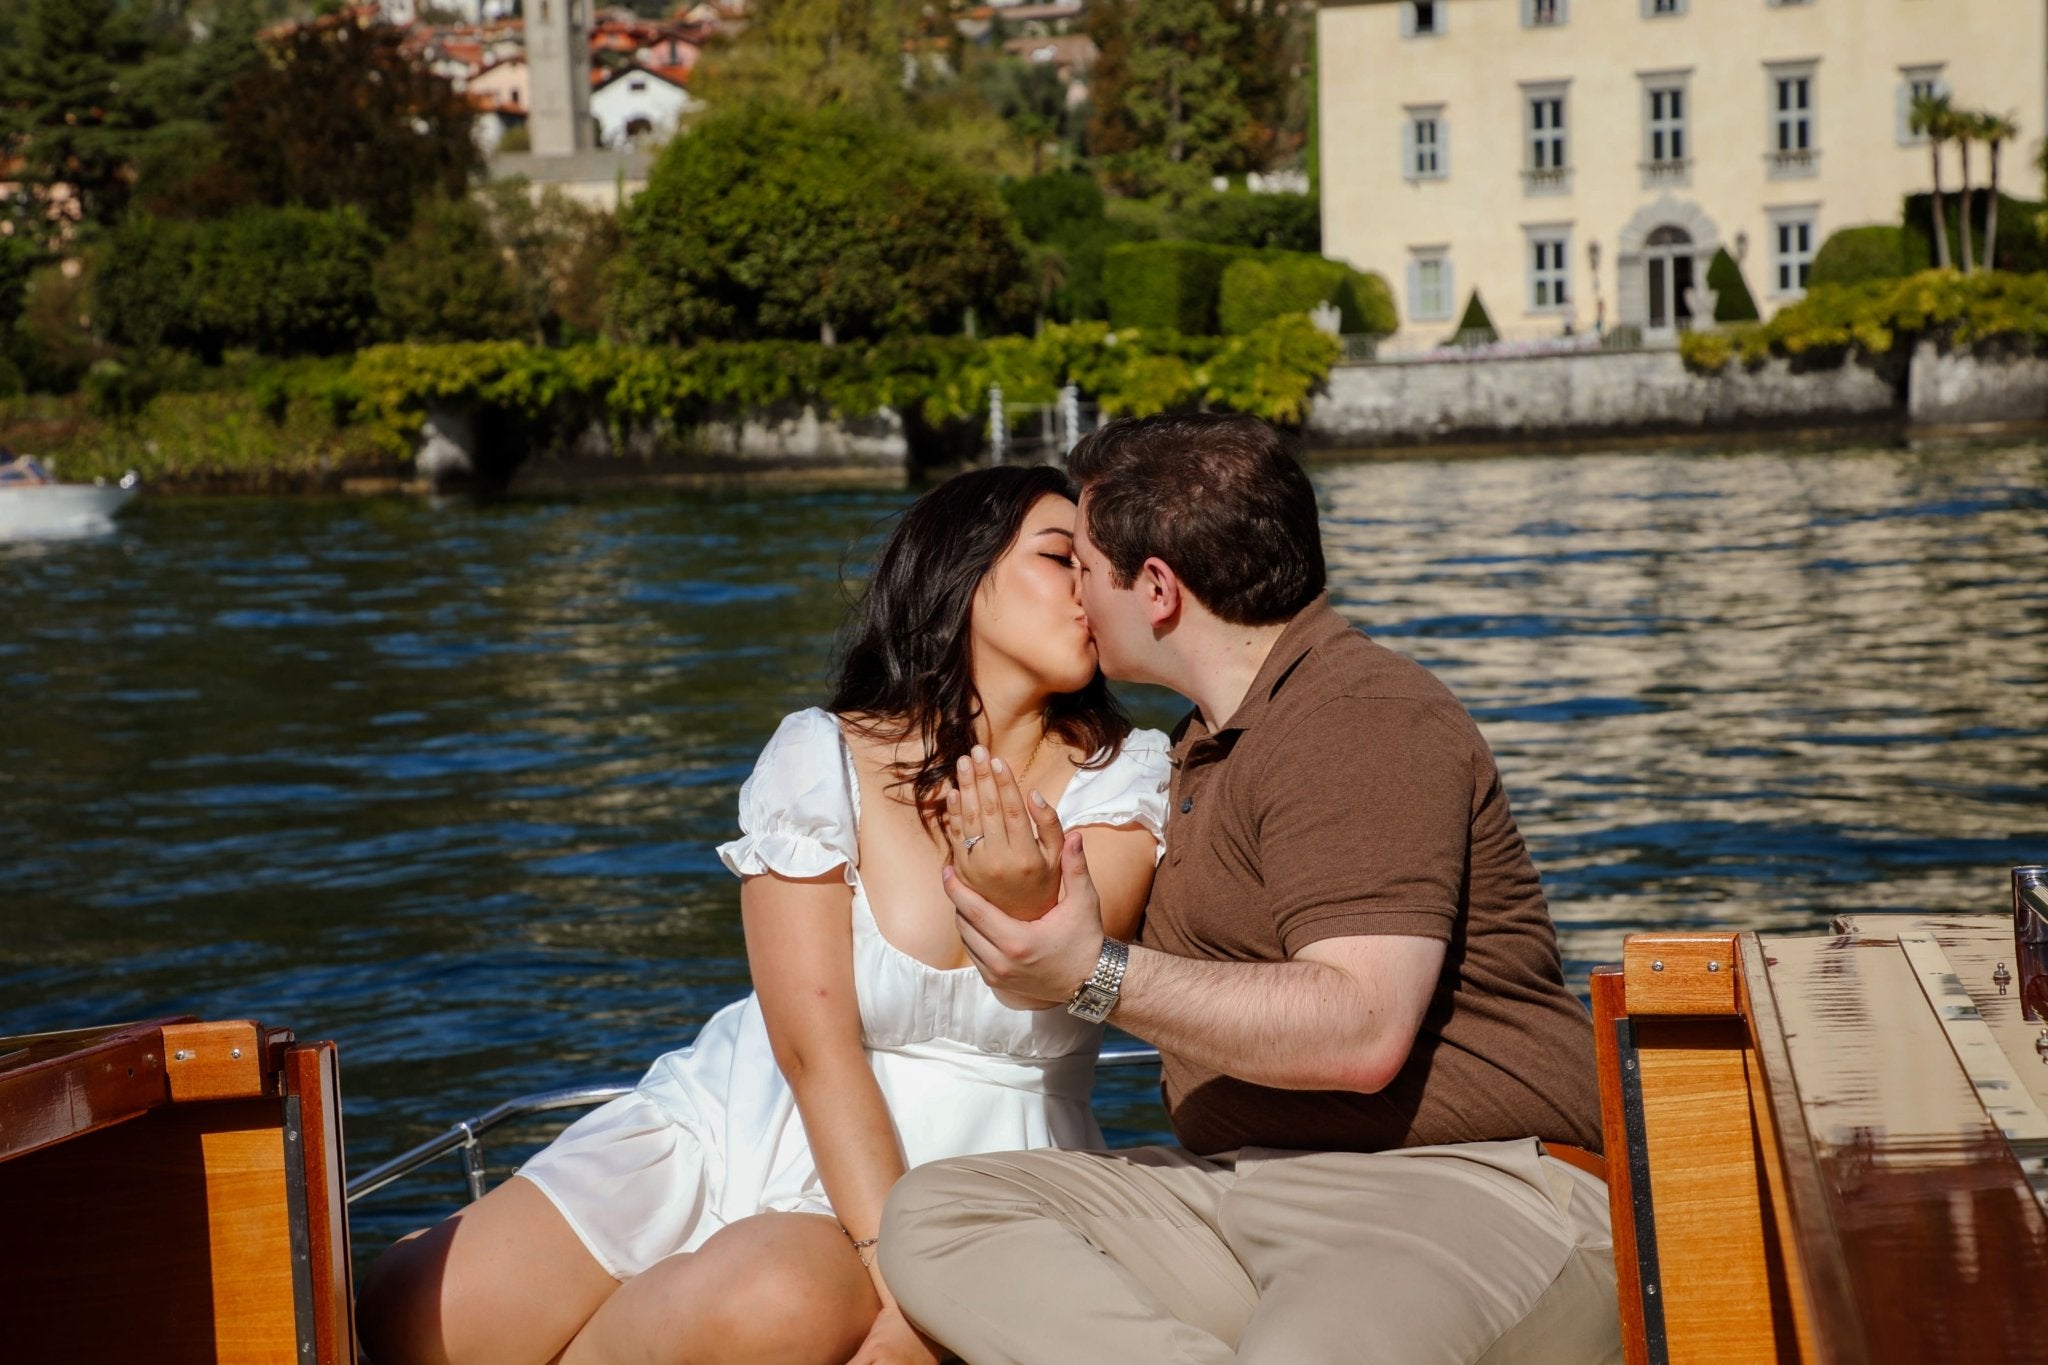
(694, 1220)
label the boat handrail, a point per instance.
(467, 1135)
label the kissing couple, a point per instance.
(1312, 898)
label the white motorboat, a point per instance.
(35, 511)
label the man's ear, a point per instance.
(1160, 588)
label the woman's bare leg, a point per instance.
(504, 1282)
(774, 1289)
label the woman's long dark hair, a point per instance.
(909, 667)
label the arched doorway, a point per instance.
(1661, 256)
(1668, 257)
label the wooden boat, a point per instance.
(1829, 1149)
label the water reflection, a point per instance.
(443, 782)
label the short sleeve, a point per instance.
(1130, 790)
(797, 808)
(1369, 823)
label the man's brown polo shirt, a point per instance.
(1351, 794)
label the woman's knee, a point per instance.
(778, 1287)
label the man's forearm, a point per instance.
(1296, 1025)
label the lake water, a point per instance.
(442, 781)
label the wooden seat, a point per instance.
(172, 1192)
(1826, 1148)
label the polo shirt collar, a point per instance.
(1315, 624)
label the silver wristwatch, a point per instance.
(1098, 994)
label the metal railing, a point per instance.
(467, 1135)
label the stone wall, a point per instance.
(1957, 390)
(1591, 394)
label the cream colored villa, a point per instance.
(1580, 161)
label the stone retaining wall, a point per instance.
(1595, 393)
(1960, 390)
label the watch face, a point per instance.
(1092, 1004)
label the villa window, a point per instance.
(1429, 285)
(1667, 129)
(1792, 150)
(1660, 9)
(1915, 84)
(1550, 270)
(1425, 150)
(1792, 248)
(1545, 164)
(1422, 18)
(1544, 13)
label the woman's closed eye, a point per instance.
(1064, 561)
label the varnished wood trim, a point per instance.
(1689, 974)
(64, 1085)
(1608, 1009)
(313, 1084)
(216, 1060)
(1825, 1317)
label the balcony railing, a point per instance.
(1670, 172)
(1794, 164)
(1548, 180)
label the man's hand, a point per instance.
(1044, 960)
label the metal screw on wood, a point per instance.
(235, 1053)
(1713, 966)
(1657, 966)
(181, 1055)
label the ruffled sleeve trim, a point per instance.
(1132, 790)
(797, 810)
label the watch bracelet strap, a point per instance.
(1110, 966)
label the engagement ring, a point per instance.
(971, 840)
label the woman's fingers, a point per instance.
(970, 798)
(985, 793)
(1016, 824)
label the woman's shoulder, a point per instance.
(1129, 789)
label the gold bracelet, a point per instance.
(861, 1245)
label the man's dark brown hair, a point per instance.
(1220, 498)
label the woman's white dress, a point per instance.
(711, 1133)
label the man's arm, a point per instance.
(1341, 1015)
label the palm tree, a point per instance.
(1931, 118)
(1962, 126)
(1995, 129)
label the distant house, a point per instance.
(668, 54)
(1072, 55)
(640, 104)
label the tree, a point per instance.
(1996, 130)
(342, 113)
(811, 53)
(1962, 129)
(1732, 300)
(1173, 112)
(448, 280)
(775, 221)
(65, 111)
(1931, 118)
(557, 249)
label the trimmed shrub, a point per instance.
(1066, 215)
(1049, 208)
(1165, 285)
(1475, 326)
(1732, 300)
(1276, 222)
(1256, 289)
(1855, 255)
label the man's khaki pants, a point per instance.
(1481, 1252)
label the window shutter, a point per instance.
(1443, 147)
(1407, 18)
(1450, 304)
(1902, 114)
(1407, 148)
(1415, 309)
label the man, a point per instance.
(1383, 1090)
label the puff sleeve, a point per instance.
(797, 808)
(1132, 790)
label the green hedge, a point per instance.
(1857, 255)
(1732, 300)
(1269, 372)
(1168, 286)
(1880, 321)
(1256, 289)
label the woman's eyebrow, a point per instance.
(1054, 531)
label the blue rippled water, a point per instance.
(442, 781)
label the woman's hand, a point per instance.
(1003, 844)
(893, 1341)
